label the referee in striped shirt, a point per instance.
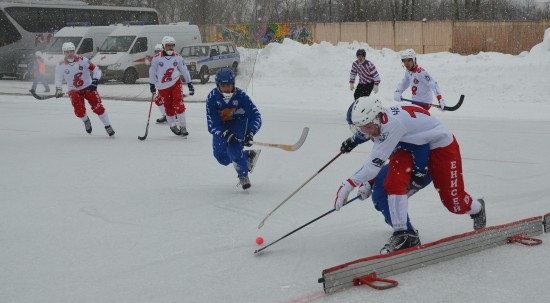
(369, 79)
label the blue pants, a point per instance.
(227, 153)
(380, 196)
(40, 79)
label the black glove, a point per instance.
(153, 88)
(248, 138)
(191, 88)
(230, 137)
(58, 92)
(93, 87)
(348, 145)
(417, 180)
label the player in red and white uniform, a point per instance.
(421, 83)
(164, 74)
(158, 98)
(411, 124)
(75, 70)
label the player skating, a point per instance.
(164, 74)
(76, 72)
(233, 120)
(421, 82)
(414, 125)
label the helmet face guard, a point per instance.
(167, 40)
(408, 54)
(364, 111)
(68, 50)
(225, 76)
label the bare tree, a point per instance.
(269, 11)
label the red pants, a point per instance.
(77, 99)
(158, 100)
(173, 99)
(399, 173)
(445, 167)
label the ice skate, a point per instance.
(253, 156)
(161, 120)
(88, 126)
(480, 220)
(109, 130)
(176, 130)
(184, 131)
(401, 240)
(244, 182)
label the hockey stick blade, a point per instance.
(144, 136)
(456, 106)
(287, 147)
(447, 108)
(44, 97)
(148, 119)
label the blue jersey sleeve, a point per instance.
(213, 119)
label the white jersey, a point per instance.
(165, 70)
(76, 73)
(422, 85)
(403, 123)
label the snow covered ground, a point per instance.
(96, 219)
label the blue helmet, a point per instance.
(225, 76)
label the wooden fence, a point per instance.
(463, 37)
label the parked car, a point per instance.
(206, 59)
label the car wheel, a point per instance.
(204, 74)
(234, 67)
(130, 76)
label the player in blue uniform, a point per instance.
(233, 120)
(419, 178)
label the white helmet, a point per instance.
(408, 54)
(68, 46)
(38, 54)
(168, 40)
(158, 47)
(366, 110)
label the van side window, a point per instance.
(224, 49)
(231, 49)
(140, 46)
(87, 46)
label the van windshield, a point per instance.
(57, 43)
(117, 44)
(195, 51)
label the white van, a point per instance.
(87, 40)
(126, 53)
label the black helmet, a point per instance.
(361, 52)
